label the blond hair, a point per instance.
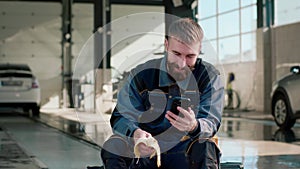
(186, 30)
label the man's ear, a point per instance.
(166, 44)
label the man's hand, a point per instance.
(186, 123)
(143, 149)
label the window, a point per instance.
(249, 47)
(230, 27)
(209, 51)
(247, 2)
(229, 49)
(207, 8)
(229, 24)
(227, 5)
(286, 13)
(209, 28)
(248, 19)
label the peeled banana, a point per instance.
(151, 142)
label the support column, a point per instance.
(265, 52)
(67, 53)
(102, 55)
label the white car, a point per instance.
(19, 88)
(285, 99)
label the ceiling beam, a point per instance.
(124, 2)
(138, 2)
(58, 1)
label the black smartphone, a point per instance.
(179, 101)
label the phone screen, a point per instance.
(180, 101)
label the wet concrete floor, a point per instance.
(12, 155)
(257, 143)
(27, 144)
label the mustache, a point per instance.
(187, 68)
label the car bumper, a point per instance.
(297, 115)
(20, 97)
(19, 105)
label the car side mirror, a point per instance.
(295, 69)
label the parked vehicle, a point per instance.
(19, 88)
(285, 99)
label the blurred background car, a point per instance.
(285, 99)
(19, 88)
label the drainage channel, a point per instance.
(13, 156)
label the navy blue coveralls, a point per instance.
(143, 102)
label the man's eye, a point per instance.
(177, 54)
(190, 56)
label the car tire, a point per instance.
(35, 111)
(282, 112)
(26, 109)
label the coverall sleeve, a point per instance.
(129, 107)
(210, 108)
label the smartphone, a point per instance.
(179, 101)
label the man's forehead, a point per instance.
(182, 41)
(188, 45)
(177, 39)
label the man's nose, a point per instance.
(182, 62)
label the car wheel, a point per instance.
(35, 111)
(282, 112)
(26, 109)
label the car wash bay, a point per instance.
(61, 141)
(65, 138)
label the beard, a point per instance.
(177, 73)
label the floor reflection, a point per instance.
(231, 127)
(238, 128)
(285, 136)
(94, 133)
(268, 162)
(279, 162)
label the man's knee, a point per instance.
(116, 146)
(116, 153)
(203, 154)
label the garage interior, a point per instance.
(56, 32)
(80, 50)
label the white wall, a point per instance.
(82, 29)
(30, 33)
(244, 84)
(137, 32)
(286, 48)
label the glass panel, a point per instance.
(229, 50)
(209, 27)
(286, 12)
(249, 47)
(229, 24)
(209, 51)
(249, 19)
(226, 5)
(207, 8)
(247, 2)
